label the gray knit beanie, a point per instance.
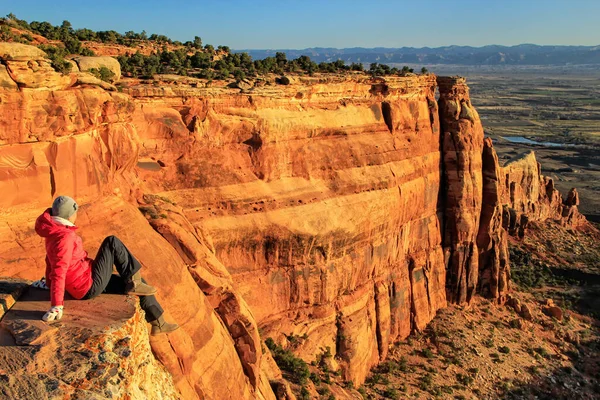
(64, 207)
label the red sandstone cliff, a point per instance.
(344, 210)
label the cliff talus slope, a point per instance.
(343, 210)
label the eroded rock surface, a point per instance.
(99, 350)
(343, 210)
(461, 148)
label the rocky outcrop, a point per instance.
(462, 139)
(529, 196)
(28, 67)
(324, 193)
(99, 350)
(343, 210)
(91, 62)
(492, 238)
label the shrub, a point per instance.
(362, 392)
(57, 58)
(426, 382)
(465, 380)
(542, 352)
(304, 393)
(504, 349)
(391, 393)
(403, 364)
(103, 73)
(315, 378)
(288, 362)
(427, 353)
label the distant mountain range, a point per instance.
(523, 54)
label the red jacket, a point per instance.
(68, 266)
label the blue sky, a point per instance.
(296, 24)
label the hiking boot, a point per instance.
(137, 287)
(160, 326)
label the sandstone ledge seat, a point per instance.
(97, 316)
(99, 349)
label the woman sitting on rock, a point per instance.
(69, 268)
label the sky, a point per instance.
(298, 24)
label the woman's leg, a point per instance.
(149, 304)
(113, 252)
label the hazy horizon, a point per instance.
(262, 24)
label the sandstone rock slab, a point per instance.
(20, 51)
(99, 349)
(89, 62)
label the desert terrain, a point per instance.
(557, 108)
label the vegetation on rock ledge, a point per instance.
(190, 58)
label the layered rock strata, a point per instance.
(320, 200)
(492, 237)
(337, 212)
(462, 140)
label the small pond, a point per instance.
(524, 140)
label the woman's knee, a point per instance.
(112, 239)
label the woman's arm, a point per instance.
(59, 268)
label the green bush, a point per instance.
(57, 58)
(103, 73)
(391, 393)
(504, 349)
(295, 367)
(304, 393)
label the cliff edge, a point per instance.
(343, 210)
(99, 350)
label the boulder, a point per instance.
(20, 52)
(514, 303)
(285, 80)
(87, 63)
(553, 311)
(244, 84)
(526, 312)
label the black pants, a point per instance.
(113, 252)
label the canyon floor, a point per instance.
(490, 351)
(487, 351)
(557, 106)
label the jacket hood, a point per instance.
(45, 225)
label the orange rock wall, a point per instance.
(321, 201)
(462, 142)
(329, 209)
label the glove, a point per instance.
(53, 314)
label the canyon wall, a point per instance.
(341, 210)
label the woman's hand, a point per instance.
(53, 314)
